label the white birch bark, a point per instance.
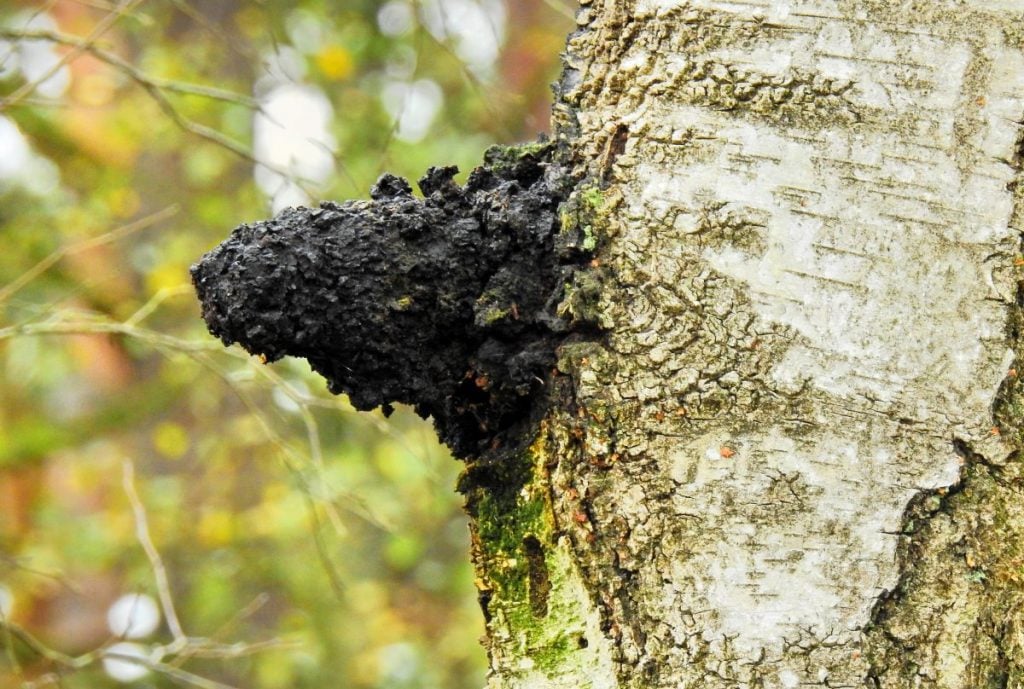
(809, 212)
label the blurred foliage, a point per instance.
(302, 544)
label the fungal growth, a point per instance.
(447, 303)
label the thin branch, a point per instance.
(155, 88)
(175, 673)
(101, 28)
(163, 585)
(12, 658)
(198, 648)
(188, 678)
(96, 4)
(147, 309)
(333, 576)
(108, 237)
(44, 651)
(254, 606)
(41, 10)
(200, 352)
(101, 327)
(490, 95)
(11, 562)
(293, 465)
(201, 648)
(128, 68)
(199, 18)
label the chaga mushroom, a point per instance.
(446, 302)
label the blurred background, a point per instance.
(173, 513)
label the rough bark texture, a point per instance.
(781, 466)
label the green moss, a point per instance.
(492, 308)
(503, 522)
(501, 158)
(593, 197)
(506, 509)
(573, 355)
(536, 604)
(584, 218)
(530, 584)
(585, 228)
(581, 301)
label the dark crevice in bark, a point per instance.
(908, 621)
(967, 532)
(539, 579)
(960, 559)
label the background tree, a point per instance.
(301, 545)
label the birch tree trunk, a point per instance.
(789, 458)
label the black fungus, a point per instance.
(446, 303)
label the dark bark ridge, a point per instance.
(448, 303)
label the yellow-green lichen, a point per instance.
(534, 601)
(500, 157)
(585, 217)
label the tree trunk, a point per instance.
(789, 459)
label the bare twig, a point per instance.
(190, 648)
(200, 351)
(254, 606)
(97, 326)
(163, 585)
(41, 10)
(175, 673)
(12, 658)
(12, 563)
(224, 37)
(128, 68)
(155, 88)
(118, 233)
(39, 648)
(101, 28)
(147, 309)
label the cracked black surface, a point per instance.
(446, 303)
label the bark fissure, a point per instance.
(540, 580)
(969, 532)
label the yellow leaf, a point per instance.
(335, 62)
(216, 528)
(166, 276)
(170, 440)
